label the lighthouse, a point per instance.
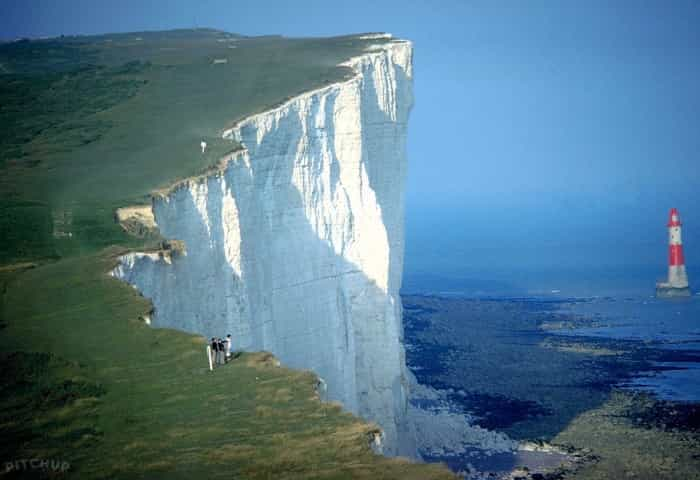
(677, 284)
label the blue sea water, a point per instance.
(666, 324)
(619, 302)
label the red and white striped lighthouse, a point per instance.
(677, 284)
(677, 278)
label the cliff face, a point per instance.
(296, 246)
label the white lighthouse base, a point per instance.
(666, 290)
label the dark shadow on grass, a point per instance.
(35, 386)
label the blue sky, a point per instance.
(544, 132)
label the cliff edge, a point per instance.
(295, 245)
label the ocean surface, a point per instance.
(672, 325)
(611, 303)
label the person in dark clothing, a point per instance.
(213, 350)
(220, 351)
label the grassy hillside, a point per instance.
(93, 123)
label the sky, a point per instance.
(545, 134)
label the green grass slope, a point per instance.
(93, 123)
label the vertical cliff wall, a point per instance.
(296, 246)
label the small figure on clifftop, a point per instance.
(220, 351)
(228, 345)
(212, 351)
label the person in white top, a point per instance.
(228, 345)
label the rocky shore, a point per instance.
(500, 362)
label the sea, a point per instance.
(614, 303)
(667, 324)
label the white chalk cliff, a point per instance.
(296, 246)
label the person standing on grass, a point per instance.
(227, 345)
(220, 351)
(217, 356)
(213, 350)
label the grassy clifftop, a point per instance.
(94, 123)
